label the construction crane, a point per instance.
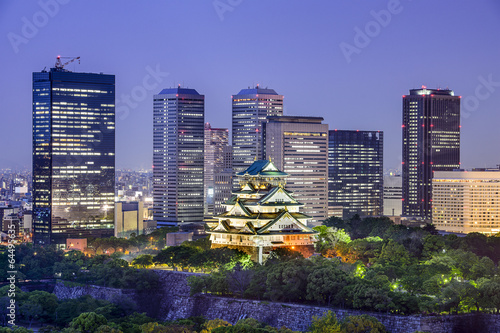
(59, 64)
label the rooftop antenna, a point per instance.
(59, 64)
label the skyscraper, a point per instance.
(251, 107)
(393, 188)
(355, 171)
(216, 143)
(178, 143)
(299, 147)
(73, 155)
(431, 142)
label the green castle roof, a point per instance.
(262, 168)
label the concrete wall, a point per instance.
(174, 302)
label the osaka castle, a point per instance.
(262, 215)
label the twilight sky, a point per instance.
(347, 61)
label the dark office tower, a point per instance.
(299, 146)
(251, 107)
(216, 145)
(431, 142)
(355, 172)
(73, 155)
(178, 140)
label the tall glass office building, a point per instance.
(216, 146)
(251, 107)
(355, 172)
(73, 155)
(431, 142)
(178, 144)
(299, 146)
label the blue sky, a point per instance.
(297, 48)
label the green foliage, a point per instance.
(326, 324)
(329, 237)
(281, 254)
(365, 249)
(326, 285)
(143, 261)
(15, 329)
(287, 281)
(351, 324)
(88, 322)
(395, 254)
(210, 325)
(362, 324)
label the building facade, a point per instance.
(178, 162)
(132, 217)
(393, 193)
(466, 201)
(355, 171)
(223, 189)
(251, 107)
(431, 142)
(262, 215)
(73, 155)
(216, 160)
(299, 147)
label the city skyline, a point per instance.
(307, 55)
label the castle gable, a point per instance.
(284, 222)
(278, 195)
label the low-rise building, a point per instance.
(466, 201)
(78, 244)
(132, 218)
(393, 194)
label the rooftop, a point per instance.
(257, 90)
(425, 91)
(262, 168)
(295, 119)
(179, 91)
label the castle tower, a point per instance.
(262, 215)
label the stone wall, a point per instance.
(70, 290)
(174, 302)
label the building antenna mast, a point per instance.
(60, 65)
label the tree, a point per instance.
(46, 301)
(325, 285)
(30, 310)
(282, 254)
(366, 296)
(335, 222)
(88, 322)
(432, 244)
(213, 324)
(489, 294)
(176, 256)
(365, 249)
(326, 324)
(362, 324)
(458, 295)
(107, 329)
(143, 261)
(287, 281)
(328, 237)
(239, 279)
(394, 253)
